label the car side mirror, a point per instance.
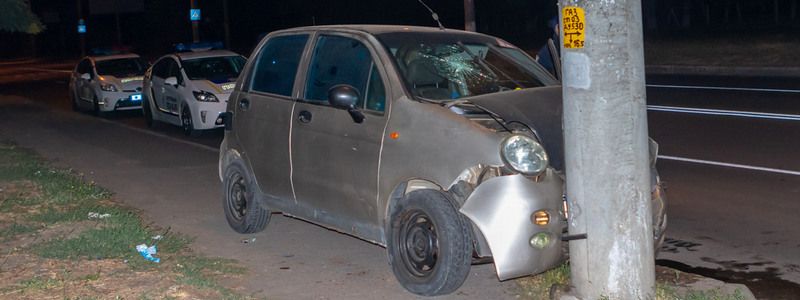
(344, 96)
(86, 76)
(173, 81)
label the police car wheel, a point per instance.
(187, 124)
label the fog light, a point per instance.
(541, 218)
(540, 240)
(203, 115)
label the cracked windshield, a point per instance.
(447, 68)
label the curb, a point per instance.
(723, 71)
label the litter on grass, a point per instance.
(148, 252)
(95, 215)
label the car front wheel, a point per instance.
(429, 244)
(148, 113)
(242, 210)
(187, 123)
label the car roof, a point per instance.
(379, 29)
(114, 56)
(204, 54)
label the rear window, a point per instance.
(277, 64)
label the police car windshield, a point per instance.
(217, 69)
(450, 65)
(120, 68)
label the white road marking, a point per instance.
(723, 88)
(720, 112)
(729, 165)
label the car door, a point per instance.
(172, 94)
(334, 158)
(160, 69)
(83, 86)
(263, 111)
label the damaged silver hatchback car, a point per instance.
(443, 146)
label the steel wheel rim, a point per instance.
(237, 197)
(419, 245)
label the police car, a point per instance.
(107, 83)
(190, 89)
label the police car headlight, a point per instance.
(524, 155)
(108, 87)
(205, 96)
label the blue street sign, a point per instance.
(194, 14)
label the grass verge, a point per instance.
(63, 237)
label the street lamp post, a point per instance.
(195, 24)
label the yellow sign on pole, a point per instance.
(573, 25)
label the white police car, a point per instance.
(107, 83)
(190, 89)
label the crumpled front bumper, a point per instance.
(502, 208)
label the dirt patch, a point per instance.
(37, 278)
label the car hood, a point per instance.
(216, 88)
(540, 108)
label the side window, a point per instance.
(85, 66)
(277, 64)
(337, 60)
(160, 68)
(376, 93)
(175, 71)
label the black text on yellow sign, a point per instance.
(573, 22)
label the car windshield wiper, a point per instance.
(487, 64)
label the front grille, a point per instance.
(127, 103)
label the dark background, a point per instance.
(152, 27)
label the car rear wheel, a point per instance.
(429, 244)
(187, 123)
(242, 210)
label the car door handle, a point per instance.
(304, 116)
(244, 104)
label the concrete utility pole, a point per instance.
(469, 15)
(607, 165)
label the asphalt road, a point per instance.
(732, 206)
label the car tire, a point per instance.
(96, 108)
(243, 212)
(74, 99)
(429, 244)
(148, 114)
(187, 123)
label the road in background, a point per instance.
(732, 223)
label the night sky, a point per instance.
(156, 25)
